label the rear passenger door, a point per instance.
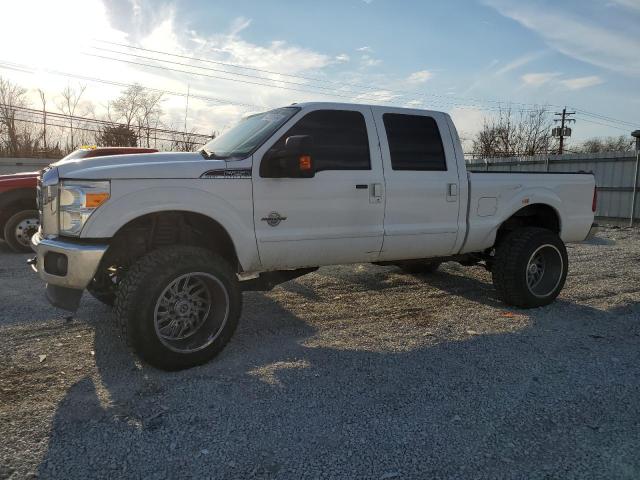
(421, 184)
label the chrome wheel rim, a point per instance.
(191, 312)
(26, 229)
(544, 270)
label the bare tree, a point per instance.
(527, 132)
(185, 141)
(12, 96)
(116, 136)
(607, 144)
(70, 100)
(43, 101)
(149, 113)
(126, 107)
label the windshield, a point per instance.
(245, 137)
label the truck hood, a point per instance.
(19, 180)
(140, 165)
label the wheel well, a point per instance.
(15, 201)
(146, 233)
(536, 215)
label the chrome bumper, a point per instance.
(82, 261)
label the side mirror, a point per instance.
(294, 161)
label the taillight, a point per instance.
(594, 204)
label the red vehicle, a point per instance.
(18, 210)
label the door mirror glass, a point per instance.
(294, 161)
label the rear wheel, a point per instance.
(530, 267)
(178, 306)
(19, 229)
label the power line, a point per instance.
(221, 101)
(97, 121)
(232, 65)
(316, 79)
(367, 88)
(85, 129)
(582, 119)
(604, 117)
(224, 101)
(362, 96)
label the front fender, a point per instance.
(231, 206)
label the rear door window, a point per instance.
(414, 142)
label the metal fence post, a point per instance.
(636, 134)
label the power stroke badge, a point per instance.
(273, 219)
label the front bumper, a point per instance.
(67, 267)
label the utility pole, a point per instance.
(186, 109)
(635, 134)
(562, 131)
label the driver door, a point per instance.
(336, 216)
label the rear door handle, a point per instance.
(362, 186)
(452, 192)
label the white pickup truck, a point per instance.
(172, 239)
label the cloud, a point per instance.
(581, 82)
(369, 61)
(420, 76)
(585, 40)
(157, 26)
(366, 49)
(519, 62)
(238, 25)
(377, 96)
(630, 4)
(538, 79)
(468, 122)
(342, 58)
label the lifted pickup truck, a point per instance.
(172, 239)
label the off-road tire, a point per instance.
(140, 289)
(10, 230)
(511, 261)
(419, 266)
(108, 298)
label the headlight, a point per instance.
(78, 200)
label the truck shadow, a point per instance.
(518, 404)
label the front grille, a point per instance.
(47, 194)
(39, 196)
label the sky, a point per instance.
(466, 57)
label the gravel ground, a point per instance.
(351, 372)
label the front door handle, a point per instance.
(375, 193)
(362, 186)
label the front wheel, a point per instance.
(530, 267)
(178, 306)
(19, 229)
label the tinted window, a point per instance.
(414, 142)
(340, 140)
(246, 136)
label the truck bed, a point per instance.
(495, 196)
